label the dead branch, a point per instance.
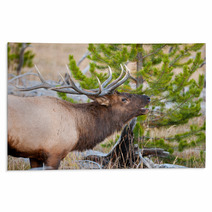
(154, 152)
(83, 57)
(87, 164)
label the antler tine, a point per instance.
(106, 81)
(109, 78)
(100, 85)
(83, 91)
(114, 86)
(120, 82)
(127, 68)
(44, 84)
(64, 82)
(120, 76)
(39, 75)
(77, 90)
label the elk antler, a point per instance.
(71, 87)
(115, 84)
(46, 85)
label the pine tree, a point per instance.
(164, 72)
(19, 57)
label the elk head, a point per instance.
(131, 105)
(125, 102)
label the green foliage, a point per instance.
(110, 143)
(194, 138)
(64, 97)
(192, 162)
(86, 82)
(164, 72)
(13, 53)
(138, 130)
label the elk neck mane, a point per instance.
(92, 118)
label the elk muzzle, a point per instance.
(146, 101)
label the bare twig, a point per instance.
(83, 57)
(146, 162)
(204, 62)
(89, 161)
(86, 69)
(140, 161)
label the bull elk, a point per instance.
(45, 129)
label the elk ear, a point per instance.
(103, 100)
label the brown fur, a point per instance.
(45, 129)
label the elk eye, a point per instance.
(124, 100)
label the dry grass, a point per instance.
(164, 132)
(17, 163)
(69, 162)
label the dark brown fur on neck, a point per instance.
(97, 120)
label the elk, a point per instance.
(45, 129)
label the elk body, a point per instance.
(46, 129)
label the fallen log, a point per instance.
(158, 152)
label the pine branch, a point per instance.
(155, 52)
(180, 56)
(170, 112)
(204, 63)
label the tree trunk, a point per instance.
(139, 62)
(21, 58)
